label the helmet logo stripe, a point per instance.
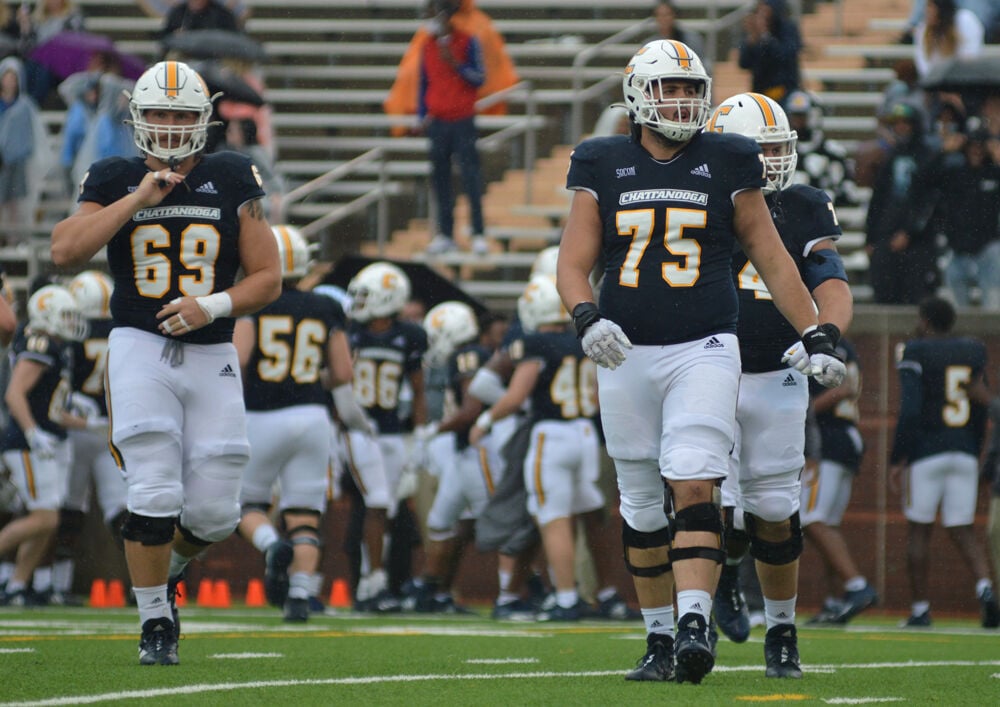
(171, 79)
(683, 56)
(765, 109)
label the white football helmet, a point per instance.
(378, 290)
(540, 304)
(293, 251)
(448, 325)
(170, 85)
(757, 116)
(53, 311)
(664, 61)
(545, 262)
(92, 291)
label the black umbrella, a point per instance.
(427, 285)
(232, 87)
(215, 44)
(979, 74)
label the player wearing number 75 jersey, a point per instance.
(664, 207)
(178, 225)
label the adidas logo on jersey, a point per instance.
(702, 171)
(207, 188)
(789, 381)
(227, 372)
(714, 343)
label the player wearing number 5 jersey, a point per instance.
(178, 225)
(665, 206)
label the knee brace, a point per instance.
(148, 531)
(70, 527)
(646, 541)
(304, 535)
(734, 540)
(699, 518)
(780, 553)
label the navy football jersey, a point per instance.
(936, 414)
(381, 362)
(291, 348)
(567, 384)
(90, 360)
(50, 394)
(668, 232)
(462, 366)
(803, 216)
(838, 426)
(186, 245)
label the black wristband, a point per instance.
(585, 314)
(818, 341)
(832, 331)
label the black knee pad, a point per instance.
(734, 541)
(191, 537)
(645, 541)
(780, 553)
(304, 535)
(115, 526)
(264, 508)
(698, 518)
(70, 527)
(147, 530)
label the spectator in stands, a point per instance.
(770, 49)
(900, 242)
(451, 71)
(49, 19)
(199, 14)
(161, 8)
(947, 32)
(987, 11)
(241, 136)
(970, 216)
(823, 163)
(82, 97)
(667, 27)
(19, 147)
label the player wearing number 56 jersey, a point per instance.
(178, 225)
(282, 349)
(665, 207)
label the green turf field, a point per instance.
(248, 656)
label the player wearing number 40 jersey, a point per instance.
(666, 207)
(178, 225)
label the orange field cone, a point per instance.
(181, 597)
(98, 594)
(206, 592)
(340, 595)
(255, 593)
(116, 594)
(222, 596)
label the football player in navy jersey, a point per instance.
(178, 225)
(562, 464)
(34, 443)
(282, 350)
(666, 206)
(466, 479)
(935, 452)
(386, 351)
(92, 463)
(768, 456)
(826, 491)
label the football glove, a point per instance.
(825, 364)
(603, 341)
(43, 444)
(797, 356)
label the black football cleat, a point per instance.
(693, 657)
(731, 613)
(658, 663)
(296, 610)
(158, 645)
(781, 652)
(277, 558)
(990, 608)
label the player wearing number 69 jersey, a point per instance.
(177, 225)
(665, 207)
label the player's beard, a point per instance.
(663, 141)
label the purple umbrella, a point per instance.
(70, 52)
